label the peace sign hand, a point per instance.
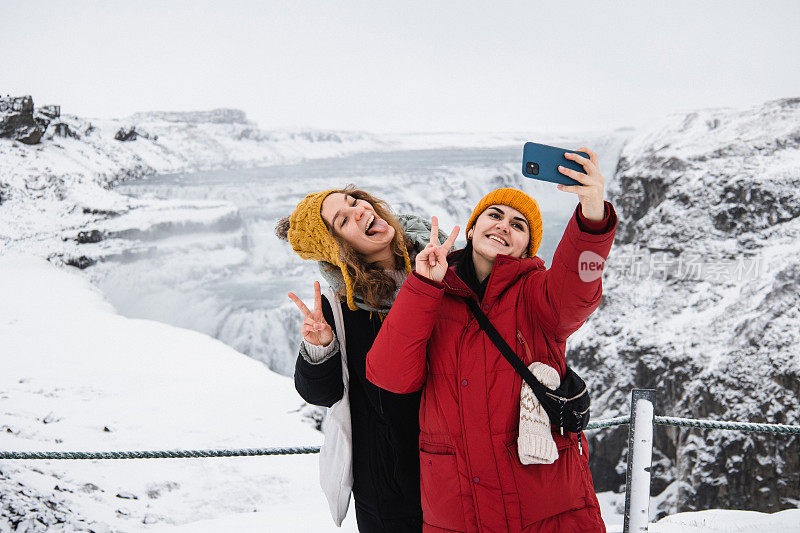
(431, 262)
(315, 330)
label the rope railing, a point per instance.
(721, 424)
(607, 423)
(162, 454)
(784, 429)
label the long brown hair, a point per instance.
(369, 280)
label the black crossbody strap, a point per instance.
(538, 389)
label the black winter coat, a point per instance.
(385, 424)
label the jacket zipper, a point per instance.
(522, 341)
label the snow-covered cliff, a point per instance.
(702, 303)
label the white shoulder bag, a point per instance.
(336, 455)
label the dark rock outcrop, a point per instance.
(126, 134)
(130, 133)
(89, 236)
(62, 129)
(19, 122)
(79, 262)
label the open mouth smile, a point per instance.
(375, 226)
(497, 239)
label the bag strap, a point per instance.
(338, 319)
(538, 389)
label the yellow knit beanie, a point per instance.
(310, 238)
(519, 201)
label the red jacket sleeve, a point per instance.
(566, 294)
(594, 227)
(397, 360)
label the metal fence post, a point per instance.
(640, 458)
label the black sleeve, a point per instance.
(320, 384)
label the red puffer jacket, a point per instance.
(471, 476)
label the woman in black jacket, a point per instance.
(365, 253)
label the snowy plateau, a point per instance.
(700, 302)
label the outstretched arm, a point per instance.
(565, 296)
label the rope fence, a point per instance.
(719, 424)
(607, 423)
(640, 422)
(783, 429)
(162, 454)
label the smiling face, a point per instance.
(500, 229)
(356, 222)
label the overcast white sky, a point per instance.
(403, 65)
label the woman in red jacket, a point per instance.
(471, 475)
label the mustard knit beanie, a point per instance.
(519, 201)
(310, 238)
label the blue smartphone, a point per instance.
(540, 162)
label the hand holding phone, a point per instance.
(541, 162)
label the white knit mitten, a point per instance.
(535, 444)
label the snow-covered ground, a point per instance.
(77, 376)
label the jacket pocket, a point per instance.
(548, 490)
(441, 493)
